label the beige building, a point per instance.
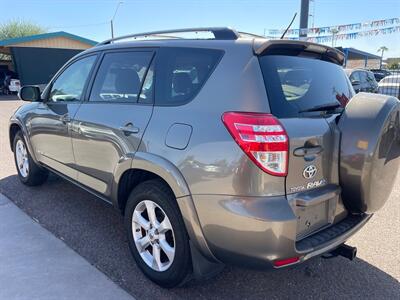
(37, 58)
(357, 59)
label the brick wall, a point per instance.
(355, 63)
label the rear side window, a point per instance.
(181, 73)
(294, 84)
(120, 77)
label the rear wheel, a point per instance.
(157, 235)
(28, 171)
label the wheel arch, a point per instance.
(12, 132)
(145, 166)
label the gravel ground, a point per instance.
(95, 230)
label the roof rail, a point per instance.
(220, 33)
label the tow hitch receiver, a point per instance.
(345, 251)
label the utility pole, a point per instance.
(334, 33)
(304, 12)
(112, 19)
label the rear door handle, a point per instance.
(65, 118)
(305, 151)
(129, 129)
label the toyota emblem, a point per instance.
(309, 172)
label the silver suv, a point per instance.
(223, 149)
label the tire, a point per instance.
(34, 174)
(370, 151)
(170, 273)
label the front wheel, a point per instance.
(28, 171)
(157, 236)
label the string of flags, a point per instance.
(353, 35)
(337, 28)
(346, 36)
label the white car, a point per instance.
(390, 85)
(14, 86)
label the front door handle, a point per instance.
(65, 118)
(129, 129)
(308, 151)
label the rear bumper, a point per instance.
(256, 231)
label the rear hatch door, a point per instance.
(307, 94)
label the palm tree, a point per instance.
(382, 50)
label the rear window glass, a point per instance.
(295, 84)
(181, 73)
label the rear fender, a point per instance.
(174, 178)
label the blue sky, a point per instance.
(90, 18)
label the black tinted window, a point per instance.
(355, 76)
(120, 76)
(70, 84)
(364, 77)
(295, 84)
(181, 72)
(371, 78)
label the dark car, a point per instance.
(379, 74)
(362, 80)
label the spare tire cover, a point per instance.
(370, 151)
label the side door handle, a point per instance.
(129, 129)
(65, 118)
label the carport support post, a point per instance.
(112, 29)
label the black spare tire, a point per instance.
(370, 151)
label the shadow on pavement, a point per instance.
(8, 97)
(95, 230)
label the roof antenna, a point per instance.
(294, 17)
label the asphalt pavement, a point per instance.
(94, 230)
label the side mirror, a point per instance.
(29, 93)
(355, 82)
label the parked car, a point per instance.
(14, 86)
(390, 85)
(379, 74)
(362, 80)
(240, 152)
(9, 84)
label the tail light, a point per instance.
(262, 138)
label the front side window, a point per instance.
(355, 77)
(70, 84)
(364, 77)
(120, 77)
(181, 73)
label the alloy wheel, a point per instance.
(22, 158)
(153, 235)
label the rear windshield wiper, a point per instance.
(324, 107)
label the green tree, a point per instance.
(382, 50)
(19, 28)
(394, 66)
